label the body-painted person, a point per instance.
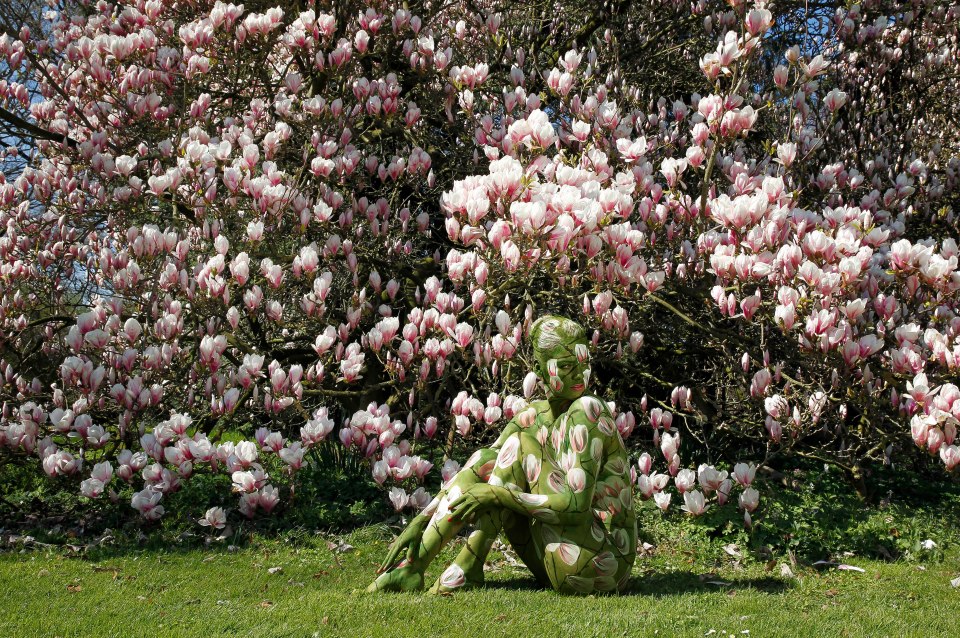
(556, 484)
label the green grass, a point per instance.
(216, 592)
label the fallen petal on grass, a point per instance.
(852, 568)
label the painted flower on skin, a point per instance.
(606, 425)
(545, 515)
(532, 499)
(576, 480)
(580, 584)
(568, 552)
(606, 563)
(596, 449)
(556, 481)
(579, 438)
(531, 467)
(453, 577)
(592, 408)
(509, 452)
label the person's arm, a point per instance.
(589, 426)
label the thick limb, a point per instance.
(467, 569)
(426, 534)
(560, 466)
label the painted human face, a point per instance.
(566, 372)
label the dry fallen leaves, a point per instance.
(340, 547)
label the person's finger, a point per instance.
(413, 550)
(388, 561)
(393, 553)
(463, 511)
(460, 503)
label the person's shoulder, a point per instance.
(541, 406)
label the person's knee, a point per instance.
(478, 466)
(529, 443)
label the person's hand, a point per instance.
(409, 539)
(476, 499)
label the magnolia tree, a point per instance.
(331, 226)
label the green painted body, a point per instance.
(556, 484)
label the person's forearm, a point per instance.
(564, 507)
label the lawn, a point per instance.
(224, 591)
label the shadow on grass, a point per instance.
(661, 585)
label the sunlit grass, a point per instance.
(218, 592)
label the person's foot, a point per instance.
(399, 579)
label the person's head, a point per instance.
(562, 356)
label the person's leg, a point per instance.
(569, 557)
(408, 576)
(587, 559)
(523, 536)
(508, 471)
(586, 555)
(466, 571)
